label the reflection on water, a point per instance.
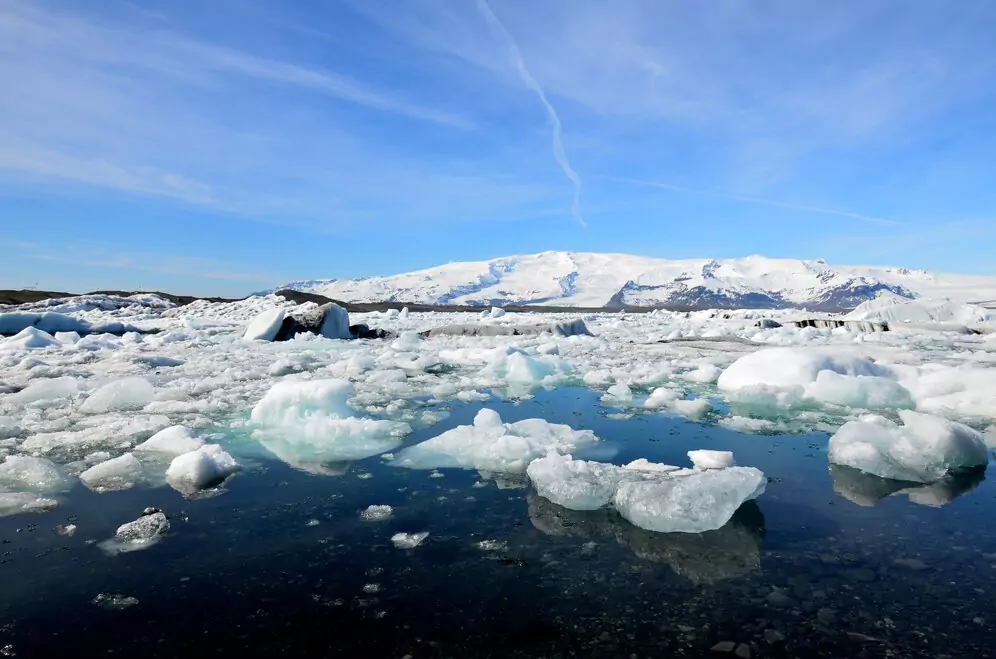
(866, 489)
(726, 553)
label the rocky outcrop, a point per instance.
(329, 320)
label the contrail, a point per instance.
(558, 146)
(758, 200)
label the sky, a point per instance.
(230, 146)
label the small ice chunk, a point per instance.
(496, 312)
(142, 533)
(119, 396)
(265, 326)
(118, 473)
(492, 545)
(114, 601)
(705, 374)
(175, 440)
(376, 513)
(15, 503)
(24, 472)
(693, 503)
(204, 468)
(705, 459)
(922, 450)
(693, 408)
(661, 397)
(68, 338)
(494, 446)
(575, 484)
(409, 540)
(642, 464)
(9, 427)
(407, 342)
(618, 392)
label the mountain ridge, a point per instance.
(590, 279)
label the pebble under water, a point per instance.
(281, 563)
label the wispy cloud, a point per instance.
(802, 208)
(520, 66)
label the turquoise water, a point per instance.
(280, 563)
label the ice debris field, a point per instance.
(130, 392)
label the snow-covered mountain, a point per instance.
(614, 280)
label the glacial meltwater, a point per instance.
(286, 560)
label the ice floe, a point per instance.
(492, 445)
(175, 440)
(659, 498)
(308, 423)
(120, 473)
(923, 449)
(204, 468)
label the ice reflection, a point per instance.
(703, 558)
(867, 490)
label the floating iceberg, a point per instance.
(15, 503)
(118, 473)
(175, 440)
(204, 468)
(142, 533)
(654, 497)
(792, 376)
(576, 484)
(691, 503)
(409, 540)
(24, 472)
(307, 423)
(491, 445)
(923, 450)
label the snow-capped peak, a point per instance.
(588, 279)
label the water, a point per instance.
(280, 563)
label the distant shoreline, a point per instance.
(25, 296)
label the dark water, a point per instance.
(802, 572)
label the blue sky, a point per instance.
(226, 146)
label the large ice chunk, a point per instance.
(924, 449)
(119, 396)
(206, 467)
(692, 503)
(47, 389)
(175, 440)
(265, 326)
(30, 338)
(788, 367)
(15, 503)
(308, 422)
(144, 532)
(24, 472)
(705, 459)
(520, 368)
(118, 473)
(576, 484)
(789, 376)
(491, 445)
